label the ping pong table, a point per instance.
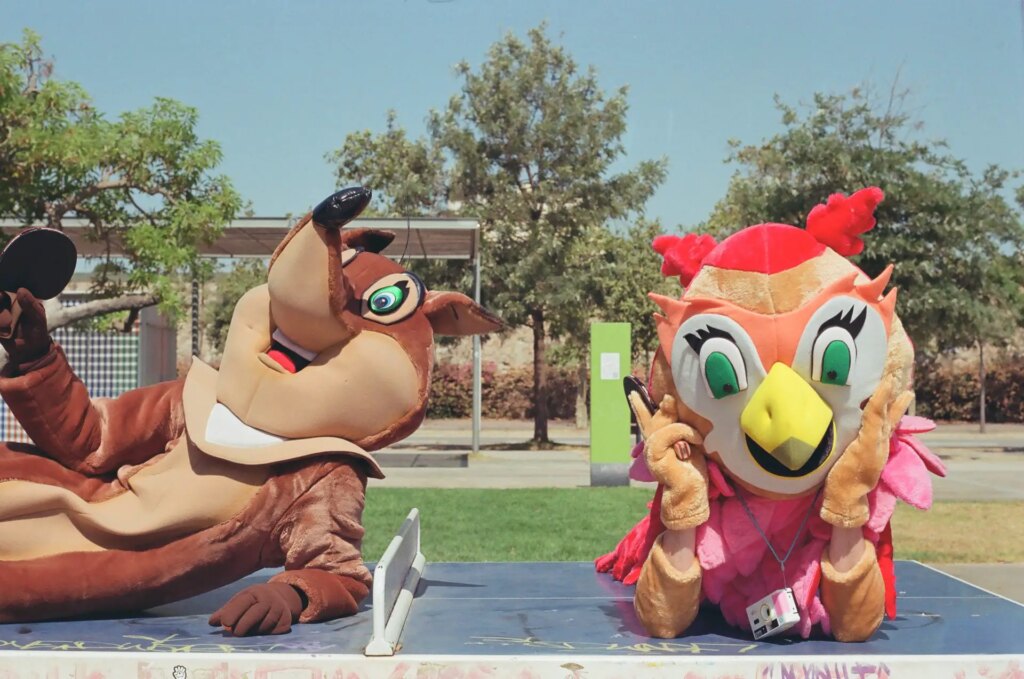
(470, 620)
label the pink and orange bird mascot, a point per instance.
(779, 440)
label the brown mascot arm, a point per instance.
(668, 592)
(852, 589)
(667, 598)
(324, 575)
(54, 408)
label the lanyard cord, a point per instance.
(796, 538)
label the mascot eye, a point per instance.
(386, 300)
(833, 356)
(721, 376)
(392, 298)
(722, 366)
(835, 363)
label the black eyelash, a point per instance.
(697, 339)
(846, 321)
(420, 287)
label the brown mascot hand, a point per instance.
(845, 501)
(268, 608)
(23, 331)
(677, 466)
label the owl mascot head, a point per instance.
(777, 428)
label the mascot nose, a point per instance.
(786, 417)
(340, 208)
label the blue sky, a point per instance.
(280, 83)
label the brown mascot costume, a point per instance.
(178, 488)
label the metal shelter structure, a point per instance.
(415, 238)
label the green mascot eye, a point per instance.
(835, 363)
(721, 375)
(386, 300)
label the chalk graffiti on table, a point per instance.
(680, 647)
(172, 643)
(824, 670)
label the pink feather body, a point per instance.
(737, 567)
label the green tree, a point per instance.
(621, 268)
(526, 146)
(407, 176)
(956, 240)
(142, 182)
(633, 269)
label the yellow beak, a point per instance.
(787, 419)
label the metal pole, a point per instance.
(477, 371)
(981, 385)
(195, 315)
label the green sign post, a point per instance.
(610, 440)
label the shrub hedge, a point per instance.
(507, 394)
(943, 393)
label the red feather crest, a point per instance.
(683, 255)
(840, 221)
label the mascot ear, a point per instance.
(683, 255)
(840, 221)
(455, 315)
(371, 240)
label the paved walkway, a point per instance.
(947, 439)
(1005, 579)
(982, 467)
(993, 477)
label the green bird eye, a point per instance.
(721, 375)
(835, 363)
(386, 300)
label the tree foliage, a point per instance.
(142, 182)
(407, 175)
(527, 146)
(955, 238)
(622, 269)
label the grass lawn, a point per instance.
(579, 524)
(961, 532)
(542, 524)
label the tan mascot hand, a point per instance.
(845, 501)
(673, 461)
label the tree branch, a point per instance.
(138, 207)
(56, 210)
(73, 314)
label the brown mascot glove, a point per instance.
(268, 608)
(23, 331)
(675, 464)
(845, 501)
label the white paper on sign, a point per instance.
(610, 366)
